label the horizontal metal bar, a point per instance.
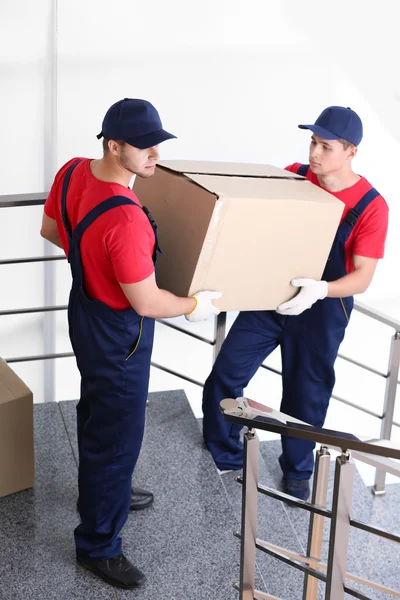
(17, 261)
(263, 596)
(350, 360)
(321, 511)
(392, 537)
(317, 564)
(18, 200)
(283, 424)
(388, 465)
(18, 359)
(257, 595)
(276, 371)
(180, 375)
(376, 315)
(27, 311)
(357, 406)
(186, 332)
(289, 561)
(267, 491)
(356, 594)
(67, 355)
(362, 366)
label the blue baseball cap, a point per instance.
(136, 122)
(338, 123)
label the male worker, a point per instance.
(111, 243)
(310, 327)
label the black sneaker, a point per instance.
(118, 571)
(140, 499)
(299, 488)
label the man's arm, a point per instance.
(356, 282)
(311, 291)
(148, 300)
(49, 230)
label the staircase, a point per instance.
(184, 542)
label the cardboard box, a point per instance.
(16, 433)
(244, 229)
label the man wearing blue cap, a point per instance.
(111, 243)
(310, 327)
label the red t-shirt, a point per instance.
(369, 233)
(117, 247)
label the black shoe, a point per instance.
(139, 499)
(118, 571)
(299, 488)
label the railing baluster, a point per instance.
(249, 515)
(219, 332)
(340, 528)
(316, 524)
(388, 408)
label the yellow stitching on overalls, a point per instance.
(138, 340)
(344, 308)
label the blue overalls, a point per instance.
(309, 345)
(113, 351)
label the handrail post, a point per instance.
(316, 525)
(219, 333)
(249, 515)
(389, 405)
(340, 527)
(49, 327)
(50, 167)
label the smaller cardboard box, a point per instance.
(246, 230)
(16, 433)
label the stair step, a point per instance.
(184, 542)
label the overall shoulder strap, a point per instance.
(303, 170)
(355, 213)
(99, 210)
(64, 214)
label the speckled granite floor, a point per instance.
(184, 542)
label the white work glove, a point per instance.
(310, 292)
(204, 306)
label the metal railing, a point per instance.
(391, 376)
(334, 574)
(21, 200)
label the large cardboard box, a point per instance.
(244, 229)
(16, 433)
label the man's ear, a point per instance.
(113, 147)
(352, 151)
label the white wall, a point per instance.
(232, 79)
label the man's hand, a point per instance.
(310, 292)
(204, 306)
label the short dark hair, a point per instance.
(105, 144)
(346, 144)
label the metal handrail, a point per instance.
(19, 200)
(377, 315)
(253, 416)
(18, 261)
(37, 199)
(324, 512)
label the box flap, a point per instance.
(11, 386)
(226, 168)
(259, 188)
